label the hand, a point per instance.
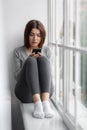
(32, 54)
(35, 55)
(39, 53)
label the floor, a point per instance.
(30, 123)
(5, 113)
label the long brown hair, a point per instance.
(29, 26)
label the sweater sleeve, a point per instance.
(46, 51)
(17, 64)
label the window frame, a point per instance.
(52, 20)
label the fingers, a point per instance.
(39, 53)
(35, 55)
(32, 54)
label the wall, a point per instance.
(14, 14)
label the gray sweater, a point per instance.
(20, 56)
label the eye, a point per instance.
(32, 34)
(39, 35)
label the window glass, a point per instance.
(82, 5)
(82, 89)
(72, 23)
(70, 82)
(61, 77)
(60, 21)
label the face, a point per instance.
(34, 38)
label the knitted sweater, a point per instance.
(20, 56)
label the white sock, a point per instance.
(48, 112)
(38, 110)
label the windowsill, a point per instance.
(81, 113)
(82, 116)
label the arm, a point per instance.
(17, 64)
(46, 51)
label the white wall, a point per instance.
(17, 13)
(14, 14)
(5, 100)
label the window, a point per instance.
(68, 39)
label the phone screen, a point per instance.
(36, 50)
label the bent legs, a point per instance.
(44, 74)
(31, 75)
(45, 84)
(32, 81)
(37, 77)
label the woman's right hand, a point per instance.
(35, 55)
(32, 54)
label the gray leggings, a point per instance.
(35, 78)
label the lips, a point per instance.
(34, 42)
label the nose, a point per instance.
(35, 37)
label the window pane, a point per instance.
(78, 12)
(83, 22)
(53, 60)
(70, 82)
(58, 73)
(76, 76)
(61, 77)
(60, 21)
(72, 13)
(82, 92)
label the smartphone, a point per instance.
(36, 50)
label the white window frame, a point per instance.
(52, 6)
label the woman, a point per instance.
(32, 71)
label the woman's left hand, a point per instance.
(37, 55)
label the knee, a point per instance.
(30, 61)
(43, 59)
